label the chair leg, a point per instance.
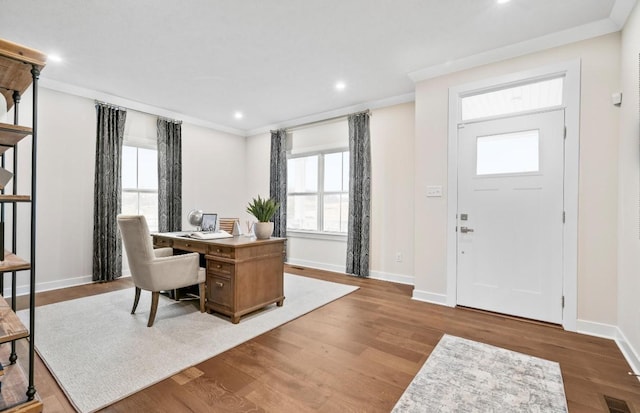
(155, 295)
(135, 301)
(202, 296)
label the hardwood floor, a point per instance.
(357, 354)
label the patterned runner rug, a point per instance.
(466, 376)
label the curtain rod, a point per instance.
(110, 105)
(315, 122)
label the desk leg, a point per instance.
(280, 303)
(235, 319)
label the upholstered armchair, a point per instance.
(157, 270)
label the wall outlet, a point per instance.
(398, 257)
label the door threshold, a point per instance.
(512, 317)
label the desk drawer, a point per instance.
(220, 291)
(220, 268)
(191, 246)
(162, 242)
(220, 251)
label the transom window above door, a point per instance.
(537, 95)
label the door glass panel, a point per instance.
(522, 98)
(508, 153)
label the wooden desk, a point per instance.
(243, 274)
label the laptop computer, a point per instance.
(209, 228)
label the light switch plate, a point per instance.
(434, 191)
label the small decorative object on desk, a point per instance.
(250, 233)
(195, 218)
(263, 209)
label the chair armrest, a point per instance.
(163, 252)
(175, 271)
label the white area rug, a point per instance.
(100, 353)
(466, 376)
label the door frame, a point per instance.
(571, 105)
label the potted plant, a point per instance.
(263, 209)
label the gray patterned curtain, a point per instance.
(169, 175)
(359, 195)
(278, 180)
(107, 248)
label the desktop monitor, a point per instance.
(209, 222)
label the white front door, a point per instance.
(510, 215)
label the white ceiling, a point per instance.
(277, 61)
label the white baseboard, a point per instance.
(48, 285)
(429, 297)
(52, 285)
(592, 328)
(376, 275)
(628, 352)
(396, 278)
(316, 265)
(612, 332)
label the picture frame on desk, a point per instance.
(209, 222)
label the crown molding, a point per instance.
(614, 23)
(375, 104)
(621, 11)
(133, 105)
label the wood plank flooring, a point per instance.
(357, 354)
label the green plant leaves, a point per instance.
(263, 208)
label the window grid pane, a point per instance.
(147, 169)
(336, 212)
(302, 212)
(129, 167)
(333, 172)
(302, 174)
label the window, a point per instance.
(318, 192)
(508, 153)
(522, 98)
(140, 183)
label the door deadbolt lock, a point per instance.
(464, 230)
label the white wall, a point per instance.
(392, 174)
(213, 179)
(392, 131)
(629, 170)
(597, 225)
(213, 172)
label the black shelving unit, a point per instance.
(19, 69)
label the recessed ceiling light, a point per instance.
(340, 86)
(503, 1)
(54, 57)
(238, 115)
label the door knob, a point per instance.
(464, 230)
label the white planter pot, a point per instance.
(263, 230)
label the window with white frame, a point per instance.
(140, 183)
(529, 96)
(318, 192)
